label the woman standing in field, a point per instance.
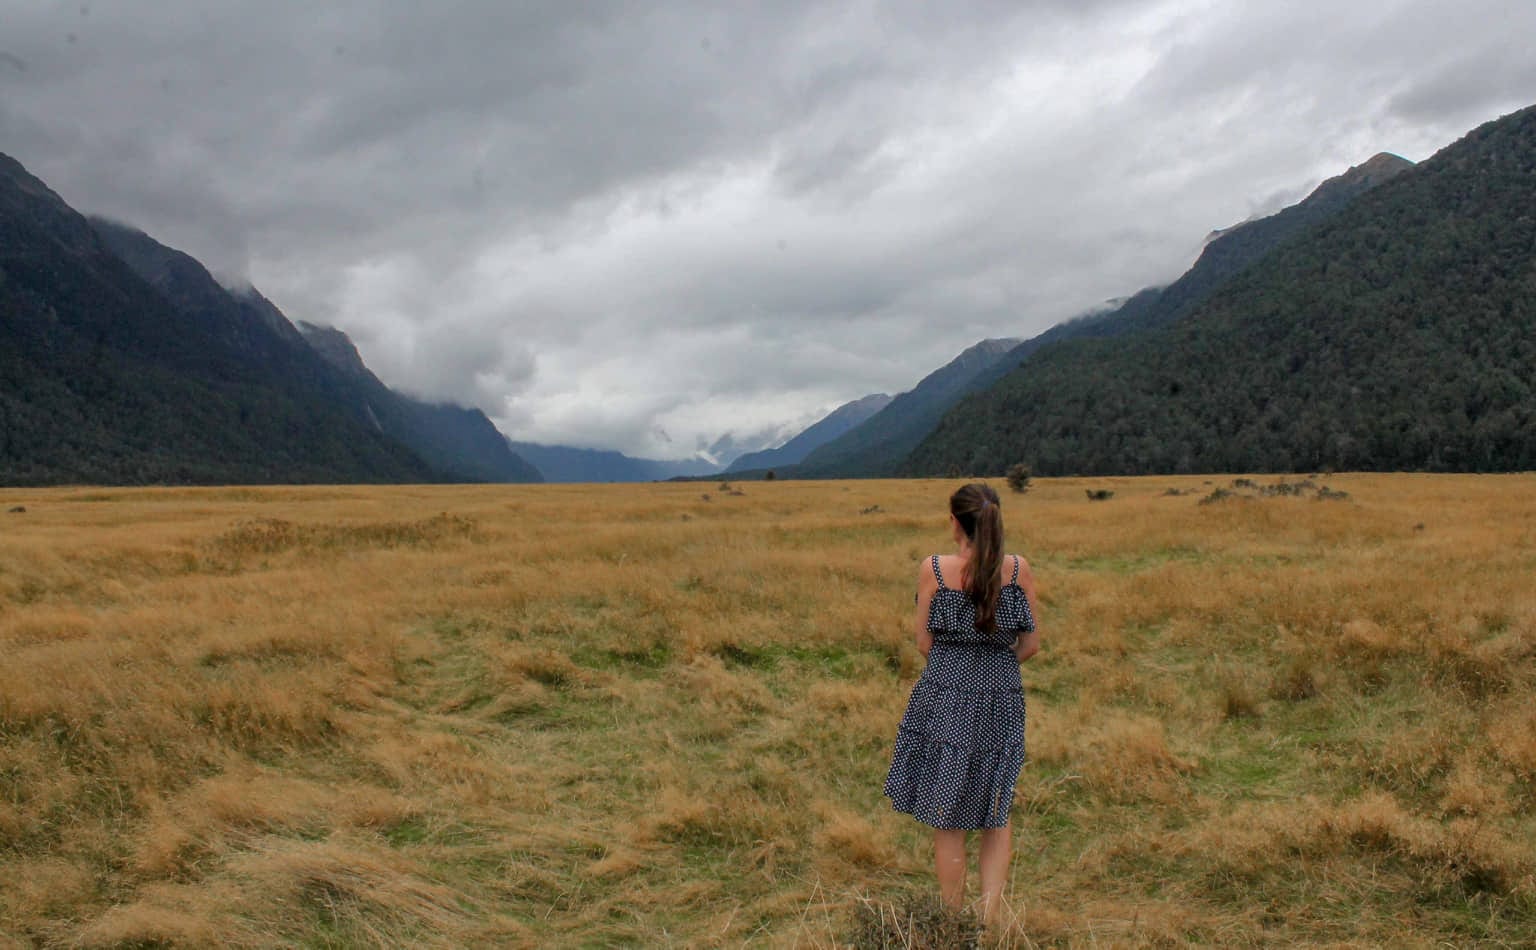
(960, 744)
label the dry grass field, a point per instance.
(636, 715)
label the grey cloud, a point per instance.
(601, 220)
(1462, 89)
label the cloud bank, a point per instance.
(647, 227)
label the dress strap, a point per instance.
(1015, 579)
(937, 576)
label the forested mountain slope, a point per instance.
(840, 420)
(878, 445)
(1400, 333)
(1226, 254)
(460, 444)
(103, 379)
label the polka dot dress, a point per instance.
(960, 744)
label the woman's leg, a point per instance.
(949, 862)
(996, 846)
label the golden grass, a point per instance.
(631, 715)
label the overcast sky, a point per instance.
(645, 226)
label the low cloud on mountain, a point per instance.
(601, 221)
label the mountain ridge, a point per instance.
(461, 444)
(1395, 334)
(567, 464)
(104, 380)
(833, 424)
(883, 444)
(459, 439)
(877, 445)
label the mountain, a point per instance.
(878, 445)
(1397, 333)
(560, 463)
(834, 424)
(460, 444)
(730, 446)
(1227, 253)
(103, 379)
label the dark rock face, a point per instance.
(336, 348)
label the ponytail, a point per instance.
(977, 509)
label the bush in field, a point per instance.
(1018, 477)
(1247, 488)
(917, 922)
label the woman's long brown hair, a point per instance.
(976, 507)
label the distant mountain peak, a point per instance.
(878, 444)
(878, 400)
(1341, 188)
(24, 195)
(1001, 344)
(1368, 174)
(843, 419)
(335, 347)
(27, 183)
(563, 463)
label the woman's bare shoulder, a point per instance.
(1009, 560)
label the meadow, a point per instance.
(660, 715)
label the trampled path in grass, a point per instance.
(653, 714)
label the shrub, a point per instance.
(1018, 477)
(915, 922)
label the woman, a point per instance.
(960, 744)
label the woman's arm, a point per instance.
(1028, 644)
(927, 586)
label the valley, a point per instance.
(552, 714)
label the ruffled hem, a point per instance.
(946, 786)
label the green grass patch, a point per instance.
(641, 657)
(1131, 562)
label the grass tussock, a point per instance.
(915, 923)
(623, 715)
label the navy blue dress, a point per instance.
(960, 744)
